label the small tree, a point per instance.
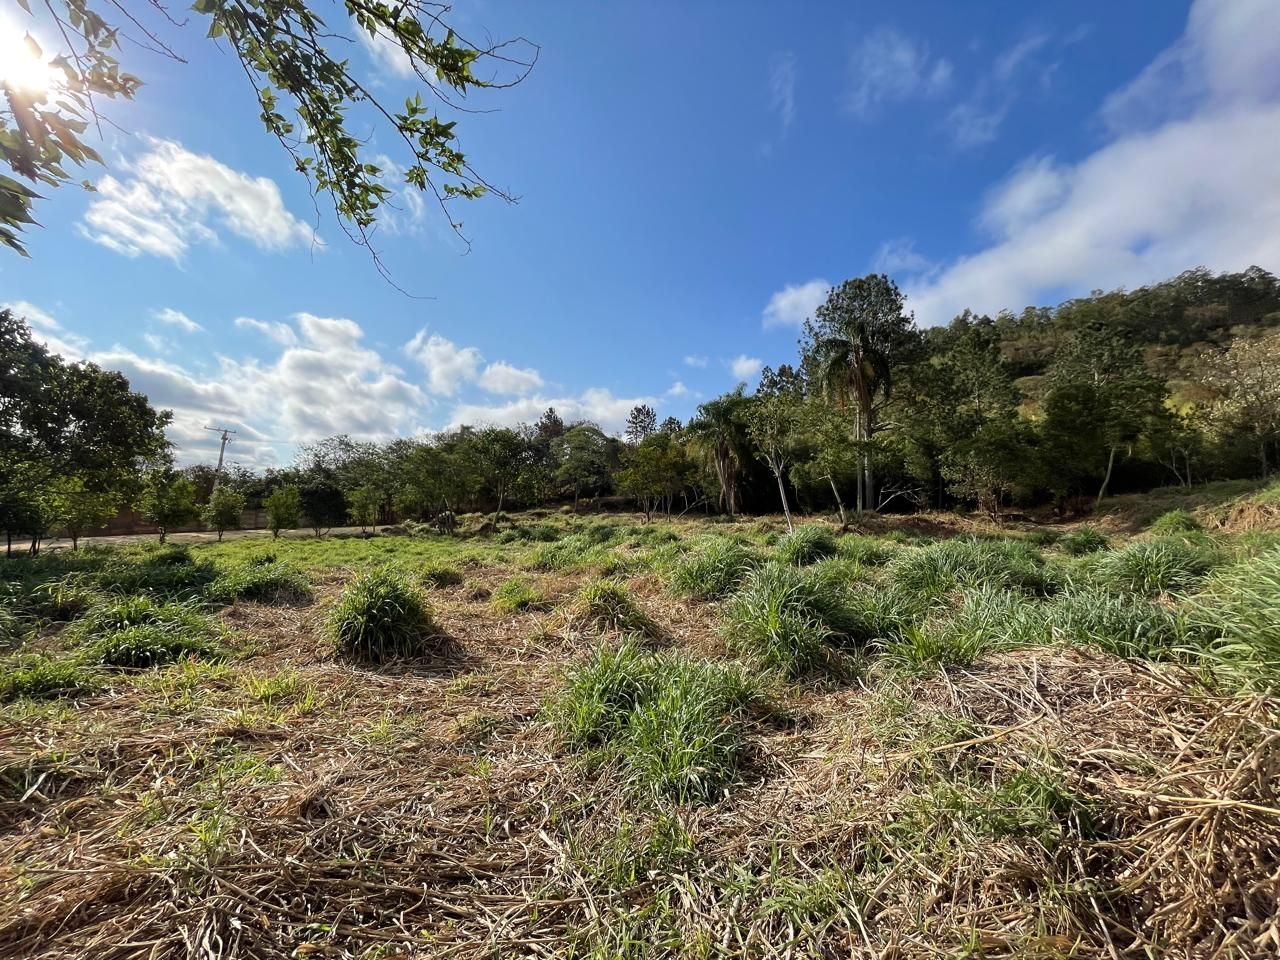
(362, 506)
(771, 424)
(284, 509)
(323, 503)
(223, 510)
(78, 510)
(168, 500)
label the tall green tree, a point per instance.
(284, 509)
(583, 459)
(859, 336)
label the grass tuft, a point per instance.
(41, 677)
(261, 581)
(1235, 620)
(985, 619)
(1150, 567)
(713, 569)
(606, 605)
(674, 724)
(441, 575)
(1173, 522)
(381, 616)
(150, 645)
(806, 544)
(514, 595)
(1086, 540)
(941, 568)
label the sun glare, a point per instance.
(23, 65)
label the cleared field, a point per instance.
(590, 737)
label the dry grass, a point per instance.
(1043, 802)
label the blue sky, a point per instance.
(691, 178)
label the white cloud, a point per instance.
(596, 404)
(502, 377)
(158, 344)
(385, 52)
(889, 67)
(175, 198)
(782, 88)
(795, 303)
(744, 367)
(45, 329)
(977, 119)
(1168, 194)
(695, 360)
(900, 257)
(1225, 58)
(448, 366)
(281, 333)
(177, 319)
(677, 389)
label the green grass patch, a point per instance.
(1173, 522)
(514, 595)
(261, 580)
(150, 645)
(41, 677)
(607, 605)
(984, 619)
(806, 544)
(940, 568)
(1084, 541)
(674, 725)
(713, 568)
(1235, 620)
(1149, 567)
(1125, 625)
(380, 616)
(441, 575)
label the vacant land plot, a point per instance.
(589, 737)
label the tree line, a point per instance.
(1175, 383)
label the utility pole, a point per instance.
(226, 438)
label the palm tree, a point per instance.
(857, 336)
(718, 432)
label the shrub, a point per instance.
(1085, 540)
(380, 616)
(42, 677)
(806, 544)
(1154, 566)
(150, 645)
(270, 582)
(1124, 625)
(943, 567)
(514, 595)
(441, 575)
(1174, 522)
(674, 724)
(1236, 619)
(606, 604)
(712, 569)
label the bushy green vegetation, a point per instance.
(40, 677)
(712, 568)
(1174, 522)
(263, 582)
(1086, 540)
(940, 568)
(441, 575)
(1149, 567)
(675, 725)
(150, 645)
(380, 616)
(1235, 619)
(806, 544)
